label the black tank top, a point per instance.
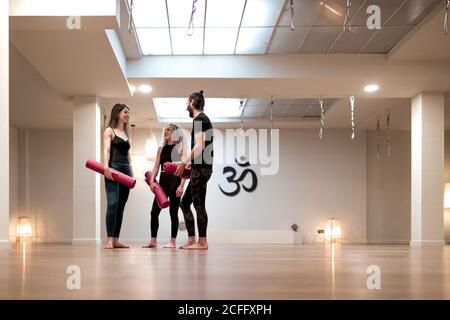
(119, 150)
(166, 155)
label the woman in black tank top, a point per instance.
(116, 155)
(173, 186)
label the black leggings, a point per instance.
(196, 193)
(116, 196)
(169, 184)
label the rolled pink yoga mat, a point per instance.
(160, 196)
(127, 181)
(170, 168)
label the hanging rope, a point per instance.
(271, 115)
(447, 6)
(130, 20)
(388, 125)
(352, 107)
(322, 118)
(378, 139)
(347, 27)
(241, 107)
(190, 31)
(291, 6)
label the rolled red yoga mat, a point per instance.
(127, 181)
(170, 168)
(160, 196)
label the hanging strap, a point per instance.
(190, 31)
(347, 27)
(447, 6)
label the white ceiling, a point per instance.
(42, 107)
(74, 62)
(49, 65)
(425, 42)
(263, 26)
(367, 111)
(34, 104)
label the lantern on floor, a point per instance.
(333, 230)
(24, 229)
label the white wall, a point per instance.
(51, 184)
(14, 211)
(34, 104)
(389, 189)
(317, 180)
(4, 125)
(40, 157)
(447, 179)
(86, 185)
(42, 182)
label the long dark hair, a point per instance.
(199, 100)
(114, 118)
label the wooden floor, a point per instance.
(226, 272)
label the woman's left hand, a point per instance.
(180, 169)
(179, 192)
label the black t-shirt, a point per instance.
(202, 123)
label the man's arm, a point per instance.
(199, 146)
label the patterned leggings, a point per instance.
(196, 193)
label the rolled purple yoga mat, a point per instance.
(160, 196)
(127, 181)
(170, 168)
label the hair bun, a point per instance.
(201, 92)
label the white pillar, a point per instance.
(427, 169)
(4, 124)
(86, 183)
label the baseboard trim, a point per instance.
(86, 241)
(407, 242)
(418, 243)
(239, 237)
(5, 245)
(326, 243)
(252, 237)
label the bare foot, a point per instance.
(150, 245)
(196, 246)
(187, 244)
(172, 244)
(119, 245)
(109, 246)
(191, 241)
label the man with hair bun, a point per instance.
(200, 159)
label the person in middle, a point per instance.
(173, 186)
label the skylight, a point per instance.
(160, 44)
(218, 109)
(228, 27)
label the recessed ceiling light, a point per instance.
(371, 88)
(145, 88)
